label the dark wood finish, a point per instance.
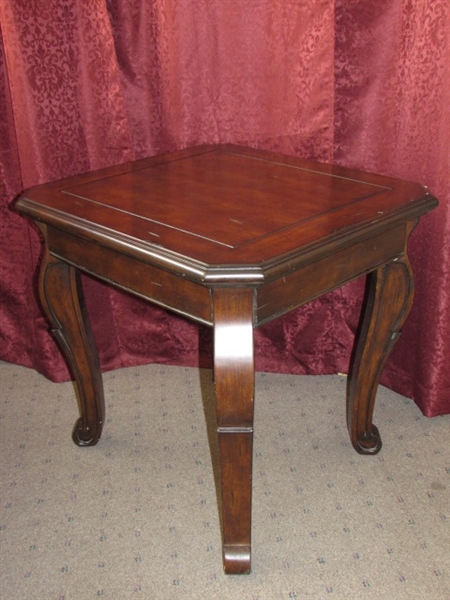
(62, 298)
(391, 285)
(230, 237)
(234, 376)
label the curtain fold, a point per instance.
(392, 117)
(89, 84)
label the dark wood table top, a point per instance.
(244, 210)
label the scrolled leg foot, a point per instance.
(63, 301)
(236, 560)
(84, 436)
(369, 442)
(388, 302)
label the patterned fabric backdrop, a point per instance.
(88, 84)
(392, 116)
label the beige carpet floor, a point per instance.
(136, 516)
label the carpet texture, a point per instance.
(136, 516)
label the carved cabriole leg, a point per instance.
(62, 299)
(388, 302)
(234, 374)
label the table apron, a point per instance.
(161, 287)
(287, 292)
(193, 300)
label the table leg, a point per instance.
(62, 298)
(234, 375)
(388, 302)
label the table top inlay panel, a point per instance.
(236, 199)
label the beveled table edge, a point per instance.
(201, 272)
(223, 273)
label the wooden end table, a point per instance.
(230, 237)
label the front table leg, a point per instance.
(63, 300)
(234, 374)
(388, 302)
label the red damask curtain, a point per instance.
(89, 84)
(392, 116)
